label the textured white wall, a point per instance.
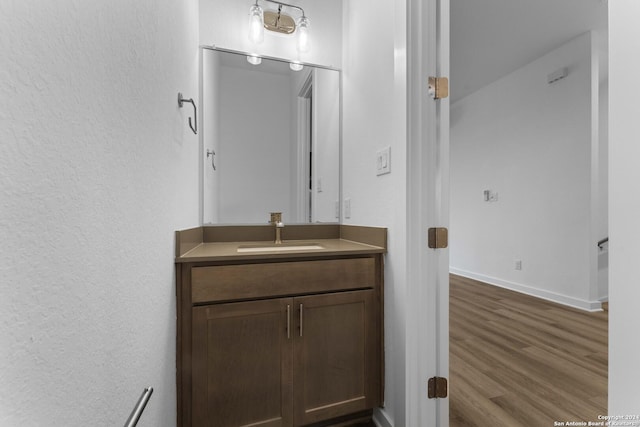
(531, 143)
(98, 169)
(624, 207)
(374, 117)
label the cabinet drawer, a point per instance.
(233, 282)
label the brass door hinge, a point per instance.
(437, 388)
(438, 87)
(438, 238)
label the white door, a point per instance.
(428, 206)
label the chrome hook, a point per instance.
(211, 153)
(181, 101)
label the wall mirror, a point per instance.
(271, 140)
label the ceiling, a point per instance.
(492, 38)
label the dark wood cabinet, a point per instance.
(242, 362)
(335, 356)
(261, 344)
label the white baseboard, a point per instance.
(380, 418)
(528, 290)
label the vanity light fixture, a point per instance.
(278, 22)
(254, 59)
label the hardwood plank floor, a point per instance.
(517, 360)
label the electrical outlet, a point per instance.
(347, 208)
(518, 264)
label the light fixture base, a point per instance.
(279, 22)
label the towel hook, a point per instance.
(181, 101)
(212, 153)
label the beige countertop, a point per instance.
(224, 251)
(219, 244)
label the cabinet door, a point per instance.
(336, 355)
(242, 367)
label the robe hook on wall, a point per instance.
(211, 153)
(181, 101)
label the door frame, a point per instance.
(303, 194)
(427, 327)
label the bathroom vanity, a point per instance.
(287, 334)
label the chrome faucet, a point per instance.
(276, 219)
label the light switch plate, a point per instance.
(383, 161)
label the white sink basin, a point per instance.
(284, 247)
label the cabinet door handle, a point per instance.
(288, 321)
(301, 316)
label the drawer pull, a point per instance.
(288, 321)
(301, 316)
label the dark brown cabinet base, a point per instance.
(294, 358)
(335, 356)
(242, 365)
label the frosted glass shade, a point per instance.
(303, 35)
(256, 24)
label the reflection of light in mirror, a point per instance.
(255, 60)
(295, 66)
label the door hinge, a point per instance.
(438, 87)
(437, 388)
(438, 237)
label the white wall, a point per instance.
(98, 169)
(225, 24)
(530, 142)
(253, 160)
(374, 116)
(624, 207)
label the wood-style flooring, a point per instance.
(517, 360)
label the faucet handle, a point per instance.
(276, 217)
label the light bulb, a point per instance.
(303, 34)
(295, 66)
(253, 59)
(256, 24)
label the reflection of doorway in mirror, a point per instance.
(318, 146)
(305, 148)
(310, 153)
